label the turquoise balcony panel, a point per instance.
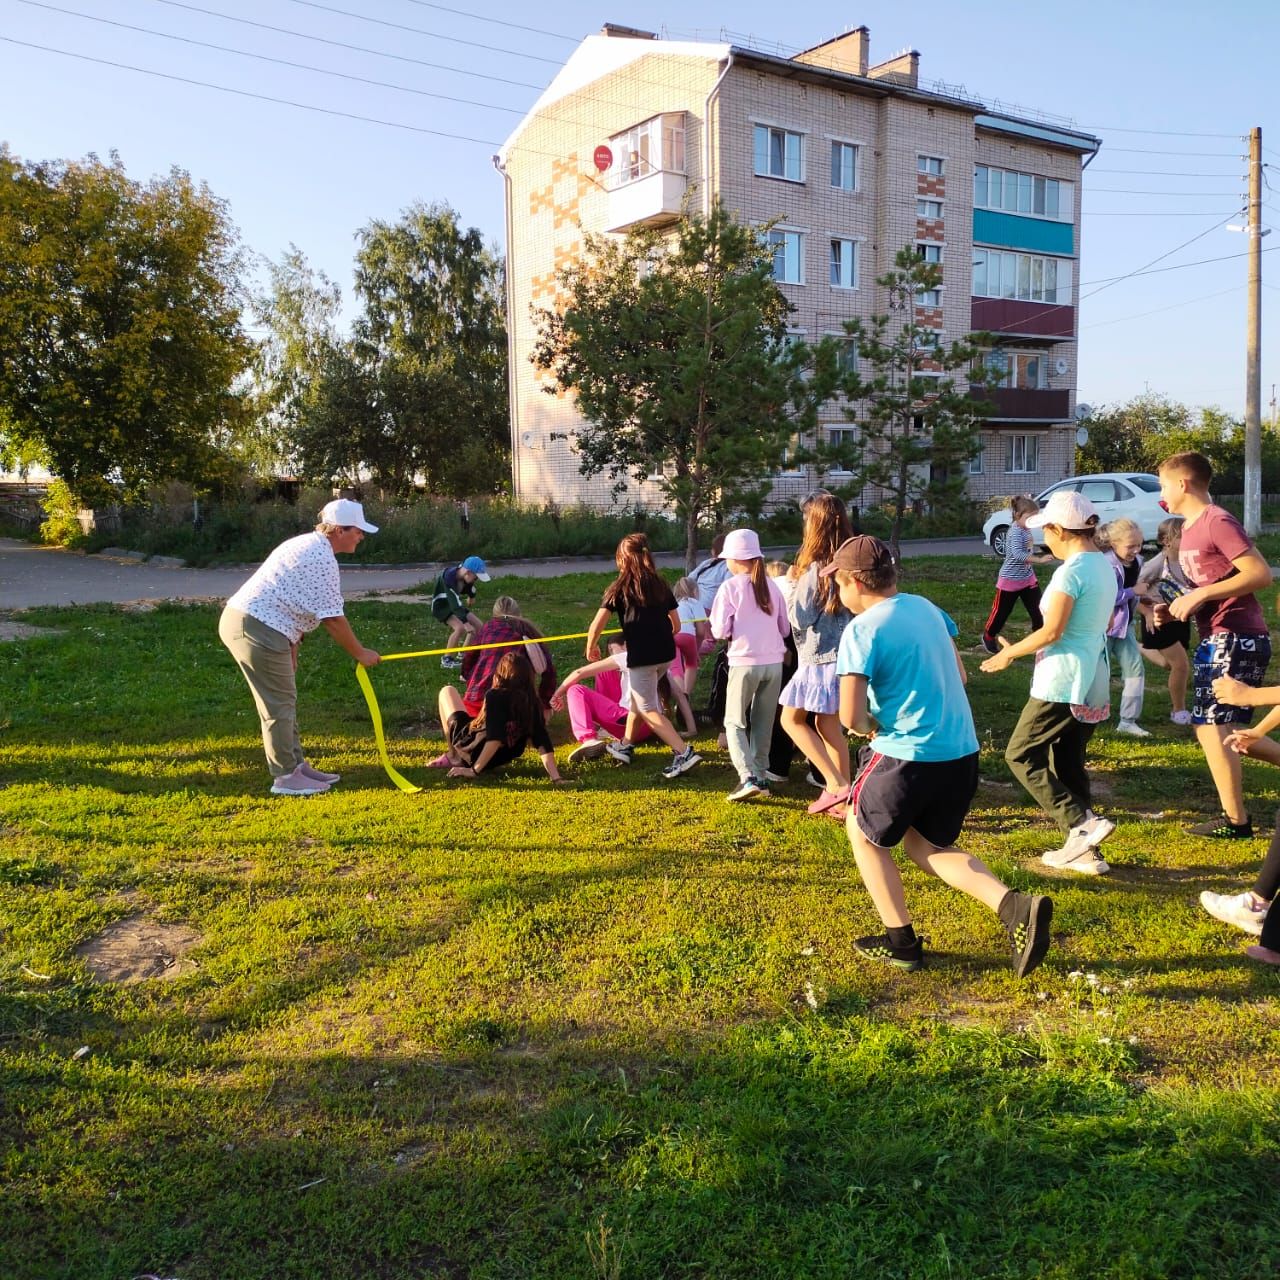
(1011, 231)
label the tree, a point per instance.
(300, 314)
(675, 349)
(432, 337)
(917, 429)
(120, 339)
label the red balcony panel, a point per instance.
(1017, 404)
(1001, 315)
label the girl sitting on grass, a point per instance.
(509, 721)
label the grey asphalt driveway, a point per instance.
(31, 575)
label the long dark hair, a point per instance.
(514, 676)
(826, 526)
(638, 583)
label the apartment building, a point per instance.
(852, 161)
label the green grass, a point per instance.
(505, 1030)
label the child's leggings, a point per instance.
(1126, 654)
(589, 710)
(1002, 607)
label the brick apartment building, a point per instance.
(854, 161)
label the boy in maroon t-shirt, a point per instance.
(1225, 569)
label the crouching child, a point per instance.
(902, 686)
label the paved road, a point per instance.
(31, 575)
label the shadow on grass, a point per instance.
(809, 1147)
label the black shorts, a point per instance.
(1226, 653)
(891, 797)
(1164, 637)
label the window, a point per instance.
(1023, 454)
(1101, 491)
(779, 153)
(788, 256)
(929, 164)
(650, 147)
(845, 439)
(928, 297)
(1148, 484)
(1027, 370)
(997, 273)
(844, 264)
(928, 208)
(789, 466)
(977, 464)
(930, 253)
(846, 354)
(844, 166)
(1023, 193)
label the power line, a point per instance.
(515, 26)
(1142, 315)
(342, 44)
(1164, 133)
(245, 93)
(1199, 155)
(1161, 173)
(434, 35)
(1207, 195)
(1142, 213)
(1106, 284)
(1181, 266)
(281, 62)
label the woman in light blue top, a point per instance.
(1070, 688)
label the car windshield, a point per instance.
(1148, 484)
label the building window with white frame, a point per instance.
(844, 439)
(1024, 277)
(1023, 193)
(653, 146)
(779, 153)
(1022, 455)
(844, 166)
(929, 209)
(931, 165)
(929, 297)
(846, 352)
(844, 264)
(931, 253)
(977, 464)
(788, 255)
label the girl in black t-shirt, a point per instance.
(646, 609)
(509, 721)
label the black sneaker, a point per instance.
(1222, 828)
(989, 645)
(880, 948)
(1026, 918)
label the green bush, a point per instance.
(61, 525)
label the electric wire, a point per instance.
(420, 31)
(1142, 315)
(479, 17)
(280, 62)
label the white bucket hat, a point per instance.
(1067, 509)
(742, 544)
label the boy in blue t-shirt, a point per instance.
(902, 685)
(451, 601)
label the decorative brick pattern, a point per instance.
(934, 229)
(933, 185)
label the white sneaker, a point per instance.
(1131, 729)
(1180, 717)
(591, 749)
(770, 776)
(748, 790)
(1236, 909)
(1078, 855)
(297, 784)
(1096, 829)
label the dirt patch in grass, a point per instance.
(23, 631)
(139, 949)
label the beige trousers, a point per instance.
(265, 658)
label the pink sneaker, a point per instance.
(1265, 954)
(308, 770)
(826, 800)
(297, 784)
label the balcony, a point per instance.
(650, 201)
(1023, 319)
(1018, 404)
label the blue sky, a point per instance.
(1171, 88)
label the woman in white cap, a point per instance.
(1070, 687)
(293, 591)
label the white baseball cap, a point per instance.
(1067, 509)
(347, 513)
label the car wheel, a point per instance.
(997, 539)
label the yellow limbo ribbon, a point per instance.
(375, 713)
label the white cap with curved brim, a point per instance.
(346, 513)
(1067, 509)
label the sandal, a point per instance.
(441, 762)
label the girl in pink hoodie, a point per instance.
(750, 613)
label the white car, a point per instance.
(1113, 494)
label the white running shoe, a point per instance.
(1131, 729)
(1078, 855)
(1235, 908)
(591, 749)
(1180, 717)
(1095, 828)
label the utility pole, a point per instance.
(1253, 336)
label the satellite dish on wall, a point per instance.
(1083, 411)
(1060, 366)
(1082, 436)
